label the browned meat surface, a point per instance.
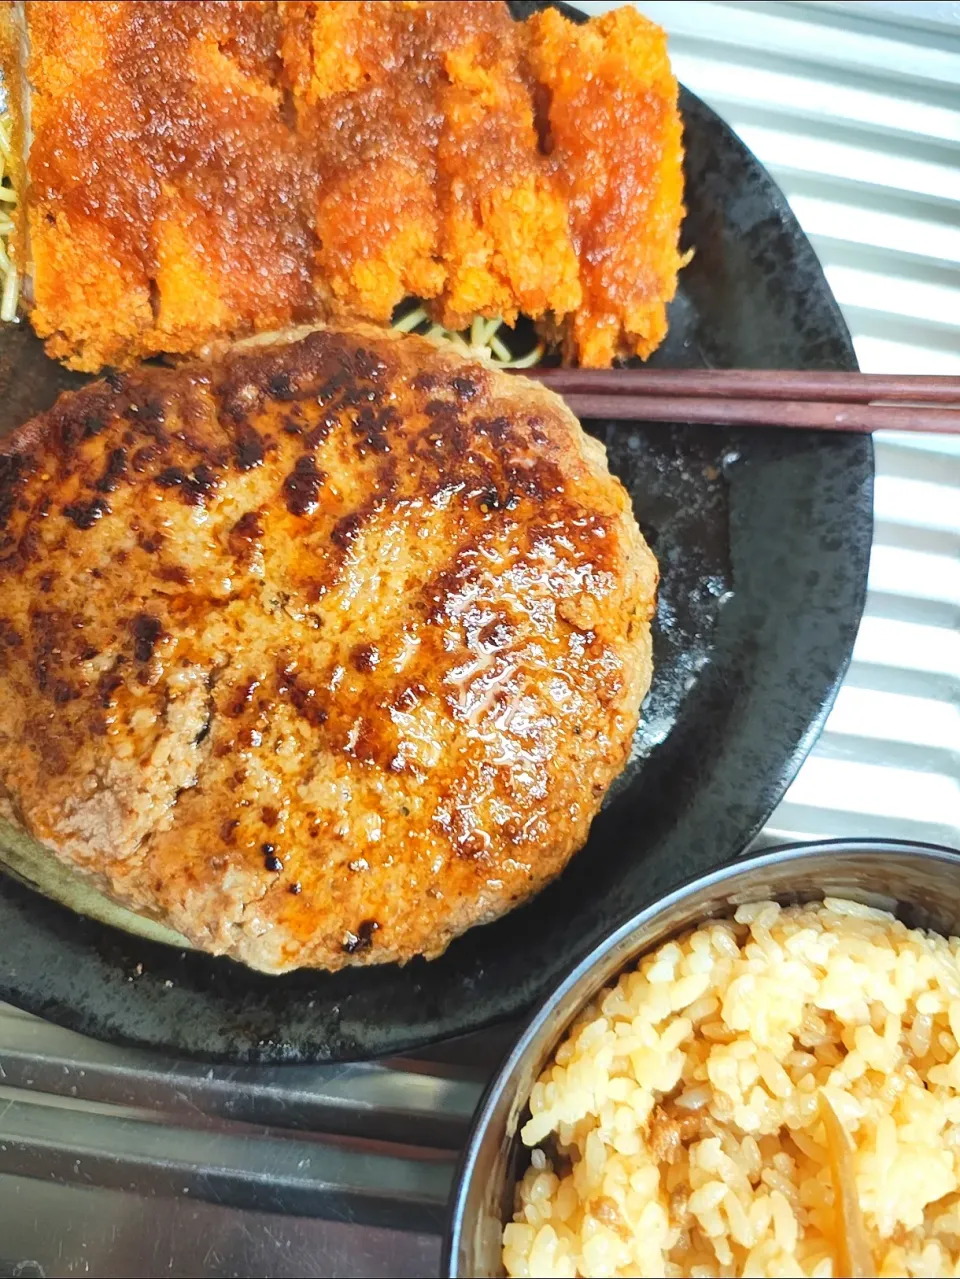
(320, 653)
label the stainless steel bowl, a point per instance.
(918, 882)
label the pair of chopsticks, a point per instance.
(862, 402)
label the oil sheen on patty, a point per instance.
(319, 652)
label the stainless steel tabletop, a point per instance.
(123, 1163)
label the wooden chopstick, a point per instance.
(763, 384)
(760, 397)
(799, 414)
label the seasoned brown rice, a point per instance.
(678, 1129)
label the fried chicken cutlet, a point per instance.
(320, 652)
(615, 148)
(199, 171)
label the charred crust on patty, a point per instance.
(404, 644)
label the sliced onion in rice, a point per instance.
(853, 1248)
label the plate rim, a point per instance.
(130, 1023)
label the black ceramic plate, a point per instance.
(763, 539)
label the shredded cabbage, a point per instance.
(10, 293)
(482, 338)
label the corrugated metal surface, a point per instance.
(116, 1162)
(855, 110)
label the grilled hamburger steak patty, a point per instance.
(321, 652)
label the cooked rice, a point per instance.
(678, 1130)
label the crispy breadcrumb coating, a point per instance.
(615, 147)
(505, 237)
(200, 171)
